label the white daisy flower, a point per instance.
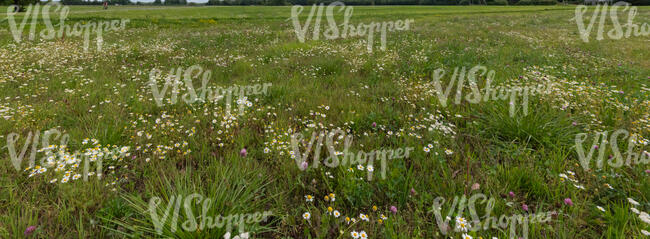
(363, 235)
(644, 217)
(463, 226)
(364, 217)
(635, 203)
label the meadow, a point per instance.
(528, 163)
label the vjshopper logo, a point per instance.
(179, 77)
(600, 14)
(32, 140)
(84, 29)
(462, 76)
(201, 222)
(348, 158)
(67, 166)
(348, 30)
(502, 222)
(615, 159)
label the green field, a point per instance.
(384, 99)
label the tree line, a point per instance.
(311, 2)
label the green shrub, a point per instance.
(498, 2)
(537, 2)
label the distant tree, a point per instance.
(639, 2)
(157, 2)
(276, 2)
(22, 3)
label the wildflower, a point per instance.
(370, 168)
(465, 236)
(306, 215)
(568, 201)
(524, 207)
(511, 194)
(426, 149)
(600, 208)
(463, 226)
(309, 198)
(363, 217)
(393, 209)
(363, 235)
(329, 210)
(347, 220)
(380, 221)
(240, 236)
(332, 197)
(448, 151)
(337, 214)
(30, 230)
(645, 232)
(476, 186)
(644, 217)
(326, 198)
(374, 208)
(304, 165)
(360, 167)
(267, 150)
(243, 152)
(429, 145)
(413, 192)
(635, 203)
(374, 124)
(354, 234)
(383, 217)
(634, 210)
(579, 186)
